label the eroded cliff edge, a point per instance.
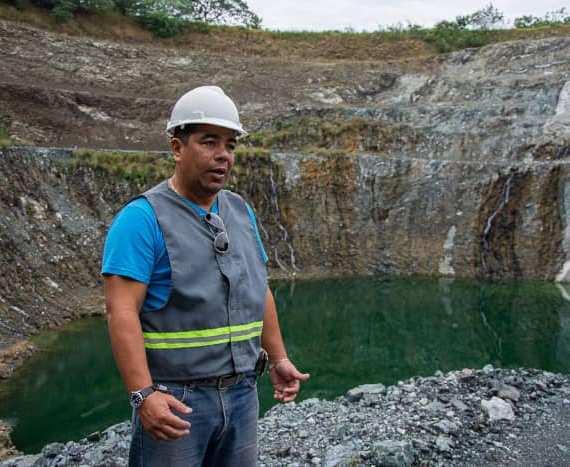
(342, 214)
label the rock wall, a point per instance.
(368, 214)
(319, 216)
(50, 232)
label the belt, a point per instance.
(219, 381)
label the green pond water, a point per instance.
(344, 332)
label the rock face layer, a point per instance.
(507, 100)
(453, 165)
(370, 214)
(319, 215)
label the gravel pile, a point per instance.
(462, 418)
(468, 417)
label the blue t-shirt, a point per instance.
(135, 248)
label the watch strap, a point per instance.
(136, 398)
(145, 392)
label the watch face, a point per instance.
(136, 399)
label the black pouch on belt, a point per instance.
(262, 362)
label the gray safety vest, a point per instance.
(212, 322)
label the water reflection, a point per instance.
(345, 332)
(356, 331)
(70, 390)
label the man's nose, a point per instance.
(224, 153)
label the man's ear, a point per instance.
(176, 146)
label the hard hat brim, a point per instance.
(208, 121)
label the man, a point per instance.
(188, 303)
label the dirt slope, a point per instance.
(64, 90)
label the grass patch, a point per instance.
(248, 152)
(307, 131)
(138, 167)
(310, 134)
(145, 167)
(108, 25)
(5, 139)
(449, 39)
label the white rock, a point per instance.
(497, 409)
(444, 443)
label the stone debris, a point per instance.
(444, 443)
(394, 453)
(358, 392)
(504, 391)
(497, 409)
(340, 454)
(467, 429)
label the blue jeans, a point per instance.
(223, 431)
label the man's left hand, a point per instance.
(286, 380)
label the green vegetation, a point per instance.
(183, 18)
(248, 152)
(5, 140)
(147, 167)
(552, 19)
(306, 130)
(165, 18)
(313, 134)
(484, 26)
(139, 167)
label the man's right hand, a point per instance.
(157, 417)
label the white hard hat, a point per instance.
(205, 105)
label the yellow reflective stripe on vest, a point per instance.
(203, 332)
(202, 337)
(185, 345)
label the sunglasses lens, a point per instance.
(221, 243)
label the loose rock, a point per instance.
(470, 429)
(497, 409)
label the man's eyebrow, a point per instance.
(210, 135)
(233, 139)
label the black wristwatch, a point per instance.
(136, 398)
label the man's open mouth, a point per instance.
(221, 171)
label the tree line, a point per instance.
(474, 30)
(165, 18)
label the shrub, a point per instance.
(448, 36)
(138, 167)
(486, 18)
(165, 18)
(197, 26)
(161, 24)
(553, 18)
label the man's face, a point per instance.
(205, 162)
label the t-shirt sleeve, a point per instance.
(253, 220)
(129, 247)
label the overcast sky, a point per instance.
(369, 14)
